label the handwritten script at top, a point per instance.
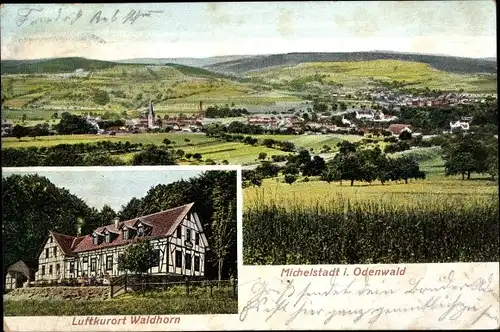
(32, 16)
(345, 297)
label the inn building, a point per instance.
(176, 236)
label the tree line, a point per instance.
(350, 164)
(48, 207)
(225, 112)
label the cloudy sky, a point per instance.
(120, 31)
(107, 185)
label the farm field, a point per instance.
(171, 302)
(439, 219)
(210, 148)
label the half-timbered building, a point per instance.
(176, 236)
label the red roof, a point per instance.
(64, 241)
(163, 224)
(396, 128)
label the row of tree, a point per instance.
(224, 112)
(47, 207)
(350, 163)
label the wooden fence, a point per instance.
(126, 282)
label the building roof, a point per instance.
(162, 224)
(396, 128)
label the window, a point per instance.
(197, 263)
(85, 259)
(109, 262)
(71, 267)
(140, 231)
(197, 239)
(125, 234)
(50, 269)
(50, 240)
(43, 270)
(108, 237)
(188, 235)
(95, 239)
(58, 268)
(188, 261)
(47, 253)
(93, 264)
(179, 232)
(178, 258)
(156, 257)
(55, 251)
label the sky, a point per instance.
(112, 186)
(167, 30)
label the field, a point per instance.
(210, 148)
(355, 75)
(130, 87)
(171, 302)
(439, 219)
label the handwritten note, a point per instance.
(425, 296)
(33, 16)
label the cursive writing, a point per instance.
(32, 16)
(448, 299)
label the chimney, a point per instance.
(117, 222)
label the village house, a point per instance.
(19, 273)
(459, 125)
(365, 114)
(397, 128)
(176, 235)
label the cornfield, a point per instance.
(438, 229)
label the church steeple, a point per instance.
(151, 115)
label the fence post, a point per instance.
(187, 286)
(211, 286)
(125, 284)
(234, 287)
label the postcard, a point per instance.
(250, 166)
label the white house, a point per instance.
(176, 235)
(464, 125)
(363, 114)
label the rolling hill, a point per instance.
(57, 65)
(444, 63)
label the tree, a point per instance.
(290, 178)
(130, 210)
(197, 156)
(223, 230)
(291, 168)
(138, 257)
(31, 206)
(74, 124)
(460, 163)
(267, 169)
(107, 215)
(188, 155)
(405, 135)
(153, 155)
(407, 168)
(314, 167)
(100, 97)
(262, 155)
(20, 131)
(166, 141)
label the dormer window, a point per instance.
(108, 237)
(140, 230)
(95, 240)
(125, 234)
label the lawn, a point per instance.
(171, 302)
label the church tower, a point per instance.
(151, 115)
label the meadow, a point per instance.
(171, 302)
(439, 219)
